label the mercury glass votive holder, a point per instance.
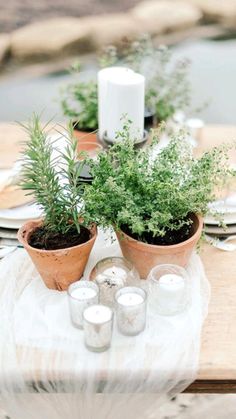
(131, 307)
(169, 289)
(81, 294)
(98, 326)
(111, 274)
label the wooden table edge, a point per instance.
(212, 386)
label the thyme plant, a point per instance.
(52, 180)
(80, 103)
(150, 194)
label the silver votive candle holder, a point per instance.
(98, 327)
(81, 295)
(131, 307)
(111, 274)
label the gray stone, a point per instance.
(112, 28)
(223, 11)
(4, 46)
(50, 37)
(162, 16)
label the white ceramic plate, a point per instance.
(226, 210)
(24, 212)
(226, 218)
(14, 218)
(231, 229)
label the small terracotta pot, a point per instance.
(145, 256)
(58, 268)
(85, 135)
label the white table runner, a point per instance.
(42, 352)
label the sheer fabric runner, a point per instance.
(47, 373)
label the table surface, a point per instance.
(217, 372)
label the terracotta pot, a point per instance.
(145, 256)
(58, 268)
(85, 135)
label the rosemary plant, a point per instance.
(53, 180)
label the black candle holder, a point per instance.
(106, 142)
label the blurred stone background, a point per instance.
(40, 39)
(45, 29)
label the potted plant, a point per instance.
(60, 243)
(154, 201)
(168, 88)
(80, 103)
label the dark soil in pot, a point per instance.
(44, 240)
(170, 238)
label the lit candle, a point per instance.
(81, 295)
(111, 274)
(98, 325)
(114, 275)
(121, 91)
(131, 305)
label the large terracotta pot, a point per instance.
(58, 268)
(145, 256)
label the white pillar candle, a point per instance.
(98, 325)
(81, 295)
(103, 104)
(131, 310)
(121, 91)
(171, 293)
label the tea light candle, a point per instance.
(98, 325)
(168, 289)
(114, 275)
(131, 303)
(111, 274)
(81, 295)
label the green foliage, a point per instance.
(52, 180)
(167, 85)
(151, 194)
(80, 103)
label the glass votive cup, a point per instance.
(111, 274)
(98, 326)
(169, 289)
(81, 295)
(131, 307)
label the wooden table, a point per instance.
(217, 372)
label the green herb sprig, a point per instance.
(52, 180)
